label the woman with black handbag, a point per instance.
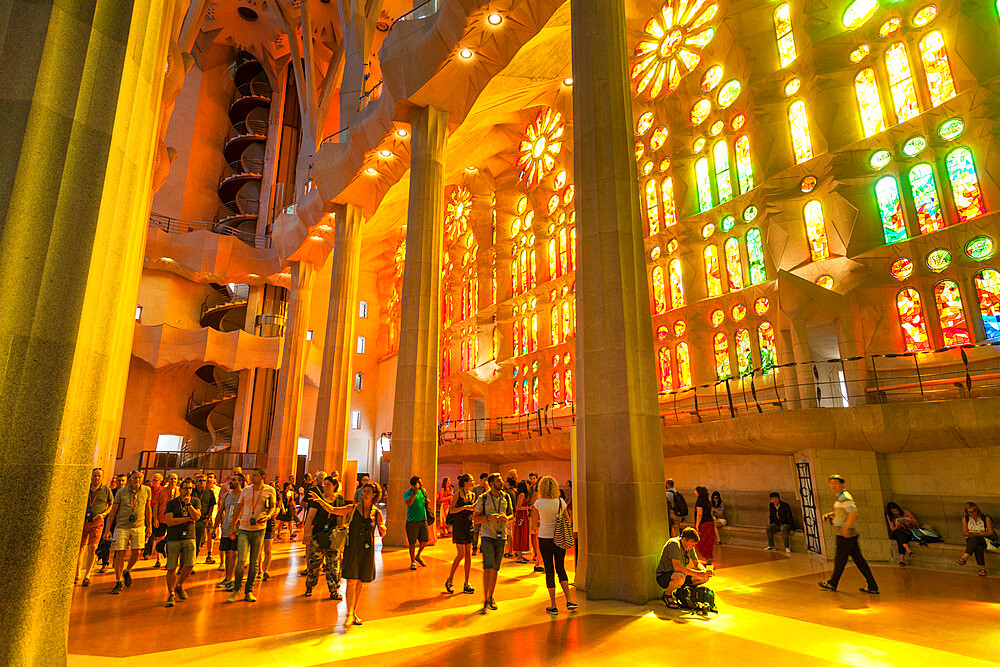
(549, 511)
(359, 555)
(460, 519)
(327, 538)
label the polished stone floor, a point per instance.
(771, 613)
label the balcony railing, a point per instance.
(245, 128)
(221, 463)
(179, 226)
(260, 89)
(247, 167)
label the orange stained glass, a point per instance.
(734, 264)
(542, 143)
(557, 387)
(659, 291)
(671, 45)
(744, 165)
(988, 292)
(683, 365)
(937, 68)
(819, 248)
(869, 104)
(534, 332)
(720, 347)
(525, 396)
(904, 96)
(553, 263)
(563, 253)
(496, 343)
(531, 268)
(676, 284)
(799, 123)
(524, 270)
(556, 328)
(768, 351)
(783, 33)
(572, 249)
(664, 369)
(568, 385)
(744, 353)
(517, 339)
(652, 206)
(568, 321)
(951, 314)
(966, 193)
(713, 273)
(911, 320)
(534, 393)
(669, 211)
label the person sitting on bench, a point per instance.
(779, 520)
(679, 564)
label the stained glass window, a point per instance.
(924, 191)
(936, 68)
(965, 184)
(557, 387)
(783, 32)
(819, 248)
(713, 273)
(568, 319)
(868, 102)
(768, 352)
(744, 353)
(720, 344)
(572, 249)
(563, 253)
(799, 123)
(525, 396)
(676, 284)
(534, 393)
(755, 253)
(534, 332)
(663, 366)
(517, 398)
(951, 315)
(553, 263)
(652, 207)
(568, 385)
(734, 264)
(683, 366)
(704, 180)
(556, 328)
(911, 320)
(659, 291)
(744, 166)
(669, 211)
(988, 293)
(904, 97)
(890, 209)
(722, 177)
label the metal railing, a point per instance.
(247, 128)
(252, 167)
(221, 391)
(203, 442)
(270, 326)
(237, 295)
(549, 419)
(221, 463)
(238, 209)
(260, 89)
(179, 226)
(370, 96)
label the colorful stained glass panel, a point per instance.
(676, 284)
(934, 55)
(744, 165)
(799, 124)
(951, 315)
(988, 293)
(965, 184)
(755, 252)
(734, 264)
(819, 247)
(911, 320)
(924, 191)
(872, 120)
(744, 353)
(713, 273)
(768, 351)
(890, 209)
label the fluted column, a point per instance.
(80, 94)
(333, 405)
(619, 464)
(414, 417)
(284, 446)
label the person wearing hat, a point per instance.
(844, 516)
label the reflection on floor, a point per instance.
(771, 613)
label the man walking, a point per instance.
(206, 503)
(161, 497)
(181, 516)
(416, 520)
(492, 512)
(257, 505)
(779, 521)
(131, 517)
(99, 501)
(477, 491)
(844, 516)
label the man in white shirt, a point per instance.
(843, 517)
(258, 504)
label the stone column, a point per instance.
(414, 419)
(333, 405)
(804, 370)
(80, 93)
(284, 446)
(618, 471)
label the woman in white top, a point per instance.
(544, 512)
(976, 527)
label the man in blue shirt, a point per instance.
(416, 520)
(844, 516)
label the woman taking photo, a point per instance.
(522, 529)
(444, 499)
(546, 509)
(462, 535)
(976, 527)
(901, 524)
(359, 556)
(705, 524)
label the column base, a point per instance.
(626, 578)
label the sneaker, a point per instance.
(492, 604)
(335, 595)
(787, 550)
(902, 564)
(266, 576)
(539, 569)
(222, 584)
(448, 587)
(232, 596)
(181, 593)
(552, 611)
(209, 560)
(127, 578)
(768, 548)
(468, 590)
(249, 597)
(421, 561)
(413, 565)
(117, 589)
(86, 581)
(170, 600)
(571, 606)
(870, 591)
(230, 587)
(827, 586)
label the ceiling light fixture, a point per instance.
(371, 171)
(385, 154)
(568, 81)
(466, 53)
(401, 133)
(470, 168)
(494, 18)
(315, 238)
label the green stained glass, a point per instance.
(728, 223)
(939, 259)
(728, 93)
(951, 129)
(750, 213)
(965, 184)
(880, 159)
(980, 248)
(720, 344)
(755, 252)
(768, 353)
(744, 165)
(858, 12)
(914, 146)
(924, 191)
(722, 176)
(744, 353)
(890, 209)
(704, 180)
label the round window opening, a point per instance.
(247, 13)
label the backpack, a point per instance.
(696, 598)
(680, 505)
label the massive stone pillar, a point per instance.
(284, 446)
(414, 418)
(333, 405)
(80, 94)
(619, 464)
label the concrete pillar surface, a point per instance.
(618, 471)
(414, 419)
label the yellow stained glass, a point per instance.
(659, 291)
(700, 111)
(540, 147)
(676, 284)
(799, 123)
(734, 264)
(720, 344)
(819, 247)
(783, 33)
(669, 210)
(683, 366)
(713, 274)
(670, 46)
(936, 68)
(868, 102)
(652, 207)
(904, 96)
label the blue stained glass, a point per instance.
(924, 190)
(890, 209)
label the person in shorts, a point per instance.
(131, 516)
(679, 564)
(416, 520)
(180, 516)
(492, 512)
(206, 501)
(224, 520)
(99, 501)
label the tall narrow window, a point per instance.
(361, 344)
(517, 339)
(553, 263)
(713, 274)
(734, 264)
(572, 249)
(744, 353)
(659, 291)
(722, 177)
(720, 345)
(768, 351)
(517, 397)
(524, 270)
(557, 387)
(568, 385)
(965, 184)
(525, 396)
(988, 293)
(799, 123)
(568, 320)
(534, 393)
(936, 68)
(819, 248)
(532, 275)
(704, 180)
(683, 366)
(890, 209)
(783, 33)
(868, 102)
(663, 366)
(744, 165)
(534, 332)
(924, 191)
(951, 314)
(676, 284)
(755, 253)
(555, 324)
(669, 210)
(363, 309)
(563, 253)
(911, 320)
(904, 96)
(652, 207)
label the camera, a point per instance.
(253, 521)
